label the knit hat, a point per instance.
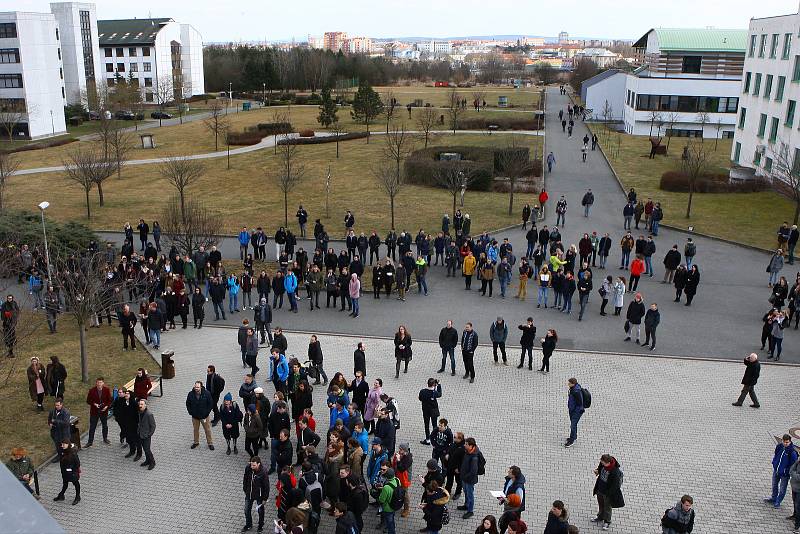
(258, 390)
(432, 464)
(228, 397)
(405, 447)
(377, 441)
(390, 473)
(251, 408)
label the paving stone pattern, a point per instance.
(669, 423)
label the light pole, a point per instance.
(43, 206)
(263, 94)
(52, 124)
(230, 93)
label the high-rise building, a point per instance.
(563, 37)
(357, 45)
(334, 40)
(77, 24)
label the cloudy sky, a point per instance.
(251, 20)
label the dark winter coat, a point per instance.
(635, 312)
(611, 488)
(199, 406)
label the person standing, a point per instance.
(360, 360)
(429, 397)
(548, 346)
(752, 369)
(561, 211)
(255, 485)
(10, 315)
(557, 519)
(99, 401)
(315, 357)
(634, 317)
(448, 339)
(22, 468)
(784, 457)
(679, 518)
(52, 307)
(794, 480)
(575, 406)
(692, 281)
(70, 471)
(37, 382)
(588, 197)
(607, 489)
(526, 342)
(354, 289)
(689, 252)
(144, 230)
(199, 405)
(402, 349)
(214, 385)
(302, 220)
(671, 262)
(498, 333)
(146, 429)
(469, 342)
(471, 467)
(386, 499)
(58, 421)
(651, 320)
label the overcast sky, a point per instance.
(251, 20)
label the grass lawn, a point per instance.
(21, 424)
(750, 218)
(247, 193)
(523, 98)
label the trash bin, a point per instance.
(246, 106)
(167, 365)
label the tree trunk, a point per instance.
(216, 142)
(84, 353)
(183, 209)
(100, 193)
(796, 210)
(286, 208)
(337, 145)
(88, 209)
(511, 197)
(367, 125)
(454, 206)
(427, 133)
(689, 205)
(391, 205)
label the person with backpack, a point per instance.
(576, 404)
(391, 499)
(473, 465)
(607, 489)
(401, 463)
(679, 518)
(310, 486)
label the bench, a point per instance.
(155, 381)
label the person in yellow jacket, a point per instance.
(556, 262)
(468, 269)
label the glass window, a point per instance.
(752, 50)
(687, 103)
(10, 80)
(120, 67)
(796, 161)
(757, 84)
(132, 51)
(709, 104)
(762, 45)
(108, 52)
(134, 67)
(109, 67)
(780, 88)
(12, 104)
(796, 69)
(8, 30)
(742, 117)
(790, 113)
(737, 152)
(148, 97)
(773, 47)
(120, 52)
(145, 50)
(747, 77)
(768, 164)
(762, 125)
(148, 82)
(757, 158)
(768, 86)
(9, 55)
(773, 129)
(146, 67)
(691, 64)
(787, 46)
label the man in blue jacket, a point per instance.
(199, 405)
(576, 409)
(278, 370)
(290, 284)
(785, 456)
(244, 241)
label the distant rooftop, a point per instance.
(129, 31)
(697, 39)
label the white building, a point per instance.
(689, 83)
(31, 77)
(153, 52)
(435, 48)
(357, 45)
(599, 56)
(604, 94)
(767, 127)
(77, 24)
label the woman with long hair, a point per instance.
(693, 280)
(142, 384)
(70, 472)
(372, 405)
(544, 286)
(37, 382)
(548, 346)
(402, 349)
(619, 295)
(488, 526)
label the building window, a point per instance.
(790, 113)
(61, 73)
(796, 162)
(8, 81)
(787, 46)
(683, 133)
(762, 45)
(737, 151)
(773, 129)
(780, 88)
(768, 165)
(108, 52)
(757, 84)
(148, 82)
(728, 105)
(8, 30)
(752, 51)
(742, 117)
(12, 104)
(145, 50)
(120, 67)
(773, 47)
(132, 51)
(146, 67)
(9, 55)
(691, 64)
(768, 86)
(757, 158)
(762, 125)
(87, 45)
(56, 34)
(120, 52)
(63, 93)
(109, 67)
(747, 76)
(727, 135)
(134, 67)
(59, 54)
(148, 97)
(796, 69)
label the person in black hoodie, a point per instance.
(70, 471)
(548, 346)
(441, 439)
(198, 304)
(651, 320)
(607, 489)
(345, 519)
(692, 281)
(634, 317)
(526, 341)
(255, 485)
(671, 261)
(448, 340)
(453, 459)
(430, 406)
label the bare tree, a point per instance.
(88, 167)
(279, 115)
(182, 172)
(197, 226)
(455, 178)
(607, 113)
(216, 123)
(12, 113)
(426, 122)
(291, 173)
(671, 121)
(397, 145)
(694, 165)
(120, 144)
(703, 118)
(389, 181)
(454, 108)
(654, 117)
(337, 128)
(786, 172)
(328, 183)
(9, 164)
(182, 91)
(514, 163)
(104, 131)
(718, 126)
(388, 106)
(164, 94)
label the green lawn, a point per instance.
(750, 218)
(20, 423)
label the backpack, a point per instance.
(314, 486)
(587, 398)
(397, 500)
(481, 463)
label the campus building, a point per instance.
(159, 55)
(77, 25)
(688, 85)
(767, 137)
(333, 40)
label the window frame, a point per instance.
(684, 69)
(762, 126)
(791, 108)
(780, 89)
(773, 46)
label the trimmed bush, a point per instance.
(321, 140)
(201, 98)
(306, 133)
(502, 123)
(422, 165)
(75, 121)
(273, 128)
(43, 144)
(314, 99)
(245, 138)
(678, 182)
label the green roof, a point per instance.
(129, 31)
(697, 40)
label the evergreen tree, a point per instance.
(367, 105)
(327, 110)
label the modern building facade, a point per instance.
(77, 24)
(32, 92)
(767, 139)
(162, 57)
(333, 40)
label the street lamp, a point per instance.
(43, 206)
(230, 93)
(52, 124)
(264, 94)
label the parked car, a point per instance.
(124, 115)
(160, 115)
(93, 115)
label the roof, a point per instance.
(20, 512)
(596, 79)
(697, 40)
(129, 31)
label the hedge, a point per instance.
(42, 144)
(678, 182)
(273, 128)
(245, 138)
(502, 123)
(323, 139)
(421, 166)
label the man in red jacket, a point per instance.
(99, 401)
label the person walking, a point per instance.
(752, 370)
(498, 333)
(469, 342)
(576, 407)
(689, 252)
(588, 197)
(70, 471)
(199, 405)
(255, 485)
(402, 349)
(145, 429)
(10, 315)
(448, 339)
(548, 346)
(99, 400)
(429, 397)
(651, 320)
(315, 357)
(680, 518)
(692, 281)
(561, 211)
(638, 267)
(551, 161)
(607, 489)
(526, 342)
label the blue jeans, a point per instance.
(503, 285)
(586, 209)
(452, 354)
(422, 285)
(233, 301)
(469, 496)
(773, 277)
(573, 425)
(779, 484)
(627, 224)
(292, 301)
(654, 229)
(561, 219)
(584, 300)
(648, 265)
(155, 337)
(542, 299)
(567, 304)
(248, 509)
(777, 344)
(529, 252)
(388, 519)
(355, 305)
(218, 309)
(689, 260)
(273, 453)
(558, 299)
(626, 258)
(603, 261)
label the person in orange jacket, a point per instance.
(637, 268)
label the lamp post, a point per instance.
(230, 93)
(43, 206)
(52, 123)
(263, 94)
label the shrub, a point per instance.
(502, 123)
(245, 138)
(301, 100)
(422, 165)
(306, 133)
(75, 121)
(323, 139)
(314, 99)
(26, 227)
(678, 182)
(43, 144)
(274, 128)
(201, 98)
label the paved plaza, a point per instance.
(668, 421)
